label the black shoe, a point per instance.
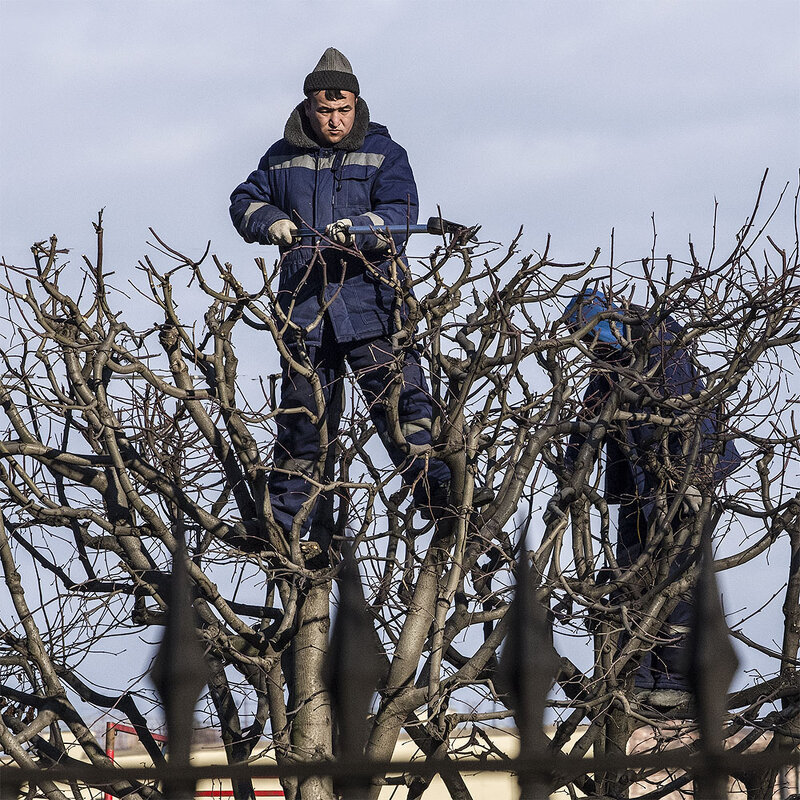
(248, 536)
(438, 506)
(482, 496)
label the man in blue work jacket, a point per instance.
(648, 464)
(334, 169)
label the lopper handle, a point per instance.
(356, 229)
(434, 225)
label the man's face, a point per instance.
(331, 120)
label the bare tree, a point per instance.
(122, 439)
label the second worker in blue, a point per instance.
(650, 466)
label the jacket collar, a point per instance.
(298, 131)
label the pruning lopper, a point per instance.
(435, 225)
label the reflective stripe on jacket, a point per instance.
(365, 178)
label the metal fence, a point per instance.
(529, 663)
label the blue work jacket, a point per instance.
(632, 446)
(365, 178)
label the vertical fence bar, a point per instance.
(528, 667)
(712, 666)
(351, 673)
(179, 673)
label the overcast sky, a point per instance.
(569, 118)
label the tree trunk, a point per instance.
(311, 736)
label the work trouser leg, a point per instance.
(669, 661)
(300, 437)
(631, 537)
(663, 667)
(376, 366)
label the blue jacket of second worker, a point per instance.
(365, 178)
(671, 374)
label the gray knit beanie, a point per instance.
(333, 71)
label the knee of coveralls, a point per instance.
(375, 365)
(297, 447)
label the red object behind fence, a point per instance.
(111, 734)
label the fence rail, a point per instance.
(542, 766)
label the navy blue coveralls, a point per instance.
(629, 481)
(366, 178)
